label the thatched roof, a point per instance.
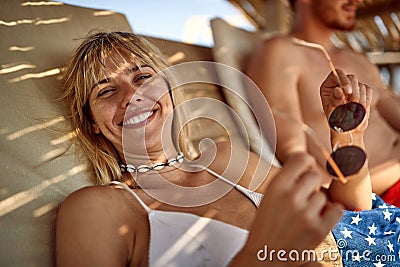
(378, 26)
(377, 30)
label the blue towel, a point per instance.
(370, 237)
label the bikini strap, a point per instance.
(255, 197)
(124, 186)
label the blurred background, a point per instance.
(377, 33)
(177, 20)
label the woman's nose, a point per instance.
(130, 96)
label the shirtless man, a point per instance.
(281, 69)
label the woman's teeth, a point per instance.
(139, 118)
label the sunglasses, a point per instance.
(346, 160)
(343, 161)
(345, 118)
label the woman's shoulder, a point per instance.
(99, 202)
(88, 195)
(88, 220)
(88, 202)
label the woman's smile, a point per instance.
(139, 119)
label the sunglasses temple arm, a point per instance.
(320, 47)
(309, 131)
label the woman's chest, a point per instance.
(202, 227)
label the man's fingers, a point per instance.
(363, 94)
(339, 96)
(355, 94)
(369, 96)
(345, 82)
(332, 80)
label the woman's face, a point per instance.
(130, 97)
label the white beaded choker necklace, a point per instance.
(156, 167)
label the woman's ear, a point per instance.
(96, 128)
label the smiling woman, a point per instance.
(39, 160)
(113, 65)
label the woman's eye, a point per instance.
(105, 91)
(141, 78)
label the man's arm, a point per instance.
(356, 193)
(272, 70)
(389, 108)
(387, 102)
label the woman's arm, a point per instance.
(356, 193)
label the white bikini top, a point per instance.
(185, 239)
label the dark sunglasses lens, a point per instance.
(349, 159)
(347, 116)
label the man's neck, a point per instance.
(314, 32)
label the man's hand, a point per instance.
(332, 95)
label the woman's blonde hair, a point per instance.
(83, 71)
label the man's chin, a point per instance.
(349, 28)
(345, 27)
